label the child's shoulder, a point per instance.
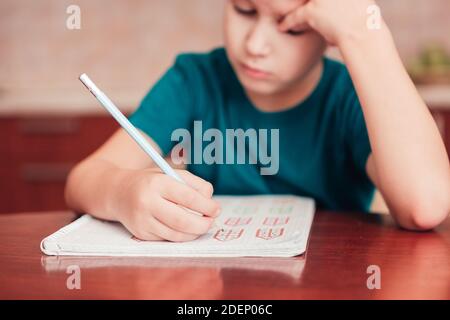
(205, 71)
(338, 85)
(337, 72)
(210, 60)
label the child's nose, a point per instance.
(257, 43)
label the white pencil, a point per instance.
(128, 127)
(131, 130)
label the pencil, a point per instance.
(131, 130)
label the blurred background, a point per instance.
(48, 121)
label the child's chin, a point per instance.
(262, 88)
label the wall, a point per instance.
(128, 44)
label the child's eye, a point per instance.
(245, 12)
(295, 32)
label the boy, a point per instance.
(272, 75)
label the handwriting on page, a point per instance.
(262, 221)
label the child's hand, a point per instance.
(149, 204)
(334, 20)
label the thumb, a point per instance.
(296, 19)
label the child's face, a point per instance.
(266, 60)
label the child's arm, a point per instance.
(119, 182)
(408, 164)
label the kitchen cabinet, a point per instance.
(37, 153)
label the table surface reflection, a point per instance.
(342, 246)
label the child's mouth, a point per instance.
(253, 72)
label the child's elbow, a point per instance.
(427, 214)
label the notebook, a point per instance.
(249, 226)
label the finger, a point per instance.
(199, 184)
(182, 220)
(141, 233)
(297, 19)
(188, 197)
(163, 231)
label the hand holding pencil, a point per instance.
(170, 205)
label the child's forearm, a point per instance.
(411, 164)
(90, 188)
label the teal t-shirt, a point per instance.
(323, 143)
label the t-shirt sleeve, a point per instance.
(167, 106)
(355, 133)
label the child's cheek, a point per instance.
(297, 57)
(234, 35)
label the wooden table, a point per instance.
(341, 248)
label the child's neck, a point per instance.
(289, 97)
